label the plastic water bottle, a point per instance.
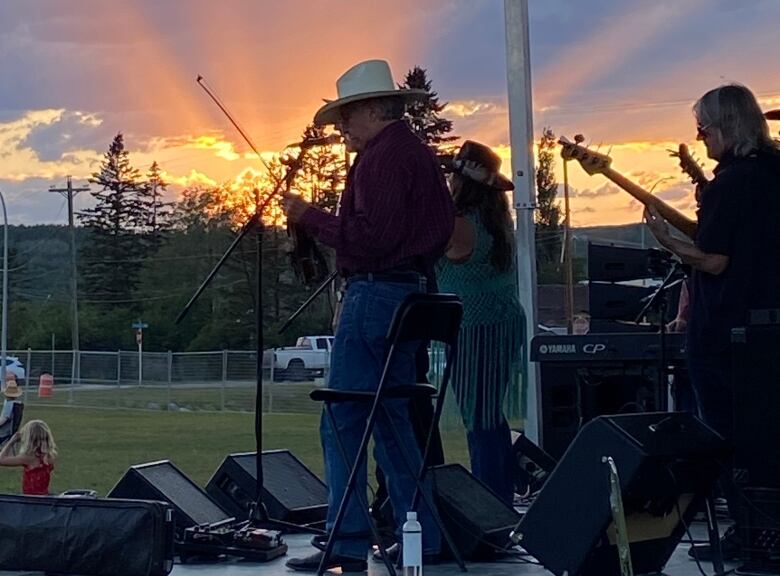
(412, 546)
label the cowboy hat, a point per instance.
(478, 162)
(12, 389)
(772, 115)
(365, 80)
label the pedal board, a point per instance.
(240, 540)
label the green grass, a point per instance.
(284, 397)
(97, 446)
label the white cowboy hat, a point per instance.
(12, 389)
(365, 80)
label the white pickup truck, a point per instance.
(308, 359)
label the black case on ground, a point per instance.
(87, 536)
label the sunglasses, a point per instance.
(703, 131)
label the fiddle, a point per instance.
(306, 257)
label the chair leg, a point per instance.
(361, 497)
(420, 489)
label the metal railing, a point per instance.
(175, 381)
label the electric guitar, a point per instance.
(597, 163)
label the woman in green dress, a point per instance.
(480, 267)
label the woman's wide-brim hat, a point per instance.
(364, 81)
(12, 389)
(486, 158)
(772, 115)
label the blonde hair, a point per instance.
(37, 440)
(733, 109)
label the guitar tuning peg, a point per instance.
(579, 138)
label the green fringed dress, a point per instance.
(488, 381)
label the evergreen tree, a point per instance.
(159, 213)
(113, 254)
(321, 176)
(423, 115)
(548, 216)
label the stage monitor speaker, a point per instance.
(291, 492)
(163, 481)
(477, 519)
(667, 462)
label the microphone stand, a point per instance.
(658, 302)
(317, 291)
(258, 516)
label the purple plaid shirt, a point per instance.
(396, 211)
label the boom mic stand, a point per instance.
(258, 516)
(658, 301)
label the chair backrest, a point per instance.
(16, 416)
(427, 317)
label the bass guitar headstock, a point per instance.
(689, 164)
(591, 161)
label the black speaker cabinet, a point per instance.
(573, 394)
(291, 492)
(756, 382)
(163, 481)
(476, 518)
(667, 462)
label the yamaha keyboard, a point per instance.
(628, 347)
(584, 376)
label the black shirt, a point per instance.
(739, 217)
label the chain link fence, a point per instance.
(174, 381)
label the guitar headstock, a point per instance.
(689, 164)
(592, 162)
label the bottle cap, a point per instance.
(412, 515)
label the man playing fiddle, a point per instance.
(395, 221)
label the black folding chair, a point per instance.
(423, 317)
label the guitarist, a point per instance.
(734, 251)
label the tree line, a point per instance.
(141, 257)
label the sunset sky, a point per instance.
(623, 72)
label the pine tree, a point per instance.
(114, 251)
(548, 217)
(159, 213)
(321, 176)
(423, 115)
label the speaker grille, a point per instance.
(287, 479)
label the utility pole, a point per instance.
(69, 192)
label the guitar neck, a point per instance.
(670, 214)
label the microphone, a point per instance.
(321, 141)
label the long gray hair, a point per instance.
(733, 109)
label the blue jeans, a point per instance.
(711, 379)
(357, 360)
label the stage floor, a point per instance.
(678, 565)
